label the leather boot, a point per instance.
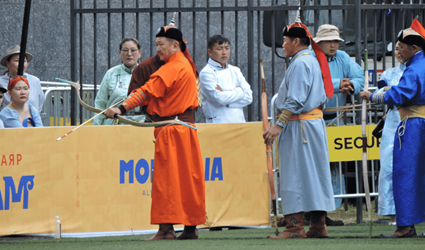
(165, 232)
(330, 222)
(307, 217)
(318, 225)
(294, 227)
(189, 233)
(401, 232)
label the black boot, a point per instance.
(330, 222)
(401, 232)
(307, 218)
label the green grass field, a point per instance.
(345, 238)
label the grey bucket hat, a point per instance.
(12, 51)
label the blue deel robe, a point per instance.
(409, 147)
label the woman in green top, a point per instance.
(114, 85)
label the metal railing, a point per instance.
(56, 109)
(97, 27)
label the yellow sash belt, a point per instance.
(310, 115)
(414, 111)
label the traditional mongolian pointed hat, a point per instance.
(415, 35)
(297, 29)
(172, 32)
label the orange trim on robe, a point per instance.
(178, 187)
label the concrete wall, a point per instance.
(48, 35)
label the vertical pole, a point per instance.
(273, 28)
(359, 201)
(394, 34)
(250, 58)
(259, 56)
(316, 18)
(109, 36)
(81, 63)
(24, 37)
(73, 68)
(95, 53)
(236, 33)
(122, 21)
(222, 18)
(208, 23)
(384, 38)
(194, 32)
(151, 29)
(137, 22)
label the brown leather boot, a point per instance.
(165, 232)
(294, 227)
(189, 233)
(318, 225)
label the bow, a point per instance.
(266, 127)
(176, 121)
(364, 160)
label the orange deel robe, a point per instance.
(178, 187)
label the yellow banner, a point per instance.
(98, 179)
(345, 143)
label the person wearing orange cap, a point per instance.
(305, 178)
(178, 187)
(18, 114)
(409, 146)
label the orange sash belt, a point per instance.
(310, 115)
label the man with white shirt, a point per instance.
(224, 89)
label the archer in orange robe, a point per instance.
(178, 187)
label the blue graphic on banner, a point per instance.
(26, 183)
(128, 167)
(128, 170)
(216, 169)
